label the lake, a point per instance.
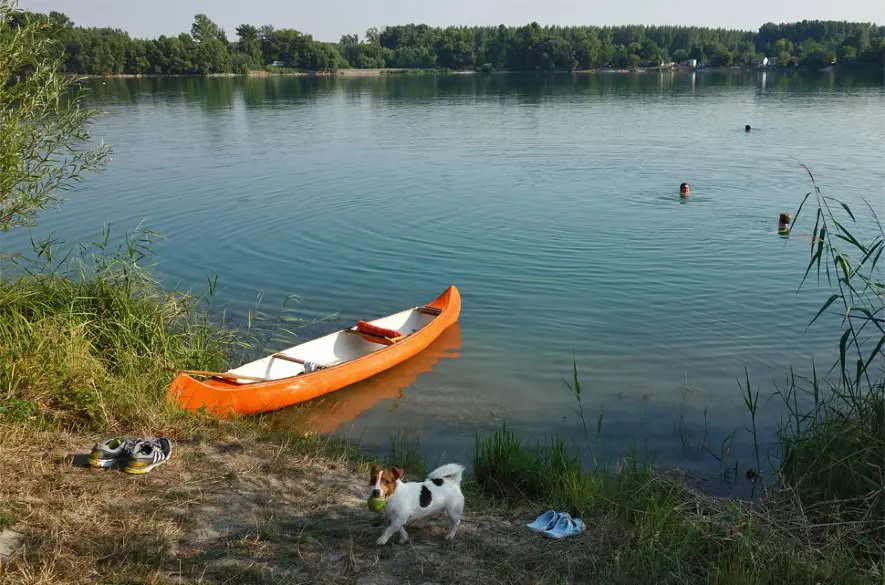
(550, 201)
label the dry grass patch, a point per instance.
(232, 510)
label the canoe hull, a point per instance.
(224, 398)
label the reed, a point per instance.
(831, 444)
(405, 452)
(90, 340)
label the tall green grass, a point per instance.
(831, 444)
(405, 452)
(91, 340)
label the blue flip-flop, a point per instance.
(565, 526)
(544, 522)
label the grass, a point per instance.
(658, 530)
(405, 452)
(91, 342)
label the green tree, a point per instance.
(529, 48)
(43, 126)
(247, 32)
(61, 18)
(721, 58)
(137, 58)
(247, 52)
(212, 57)
(204, 29)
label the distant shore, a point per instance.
(431, 72)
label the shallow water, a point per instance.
(550, 201)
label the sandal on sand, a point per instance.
(544, 522)
(565, 526)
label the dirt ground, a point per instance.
(228, 511)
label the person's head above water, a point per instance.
(784, 219)
(684, 189)
(747, 128)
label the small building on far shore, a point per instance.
(691, 63)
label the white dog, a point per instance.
(407, 501)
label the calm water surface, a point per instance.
(550, 201)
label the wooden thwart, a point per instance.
(429, 310)
(288, 358)
(296, 360)
(224, 375)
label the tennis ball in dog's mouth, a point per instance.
(376, 504)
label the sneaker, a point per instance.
(147, 454)
(107, 453)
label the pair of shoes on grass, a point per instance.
(140, 455)
(557, 525)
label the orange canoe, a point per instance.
(320, 366)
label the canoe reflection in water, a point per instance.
(328, 413)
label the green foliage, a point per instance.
(657, 530)
(43, 129)
(203, 29)
(14, 410)
(531, 47)
(405, 452)
(94, 341)
(506, 468)
(833, 441)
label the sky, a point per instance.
(329, 19)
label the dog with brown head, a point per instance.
(402, 502)
(383, 481)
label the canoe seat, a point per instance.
(429, 310)
(369, 329)
(376, 338)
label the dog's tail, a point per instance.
(451, 471)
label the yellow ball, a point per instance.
(376, 504)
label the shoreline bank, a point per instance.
(352, 73)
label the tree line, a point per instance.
(207, 48)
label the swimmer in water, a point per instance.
(783, 223)
(683, 190)
(747, 128)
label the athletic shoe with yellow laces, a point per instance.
(112, 451)
(147, 454)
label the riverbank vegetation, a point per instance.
(207, 49)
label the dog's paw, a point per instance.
(381, 541)
(403, 538)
